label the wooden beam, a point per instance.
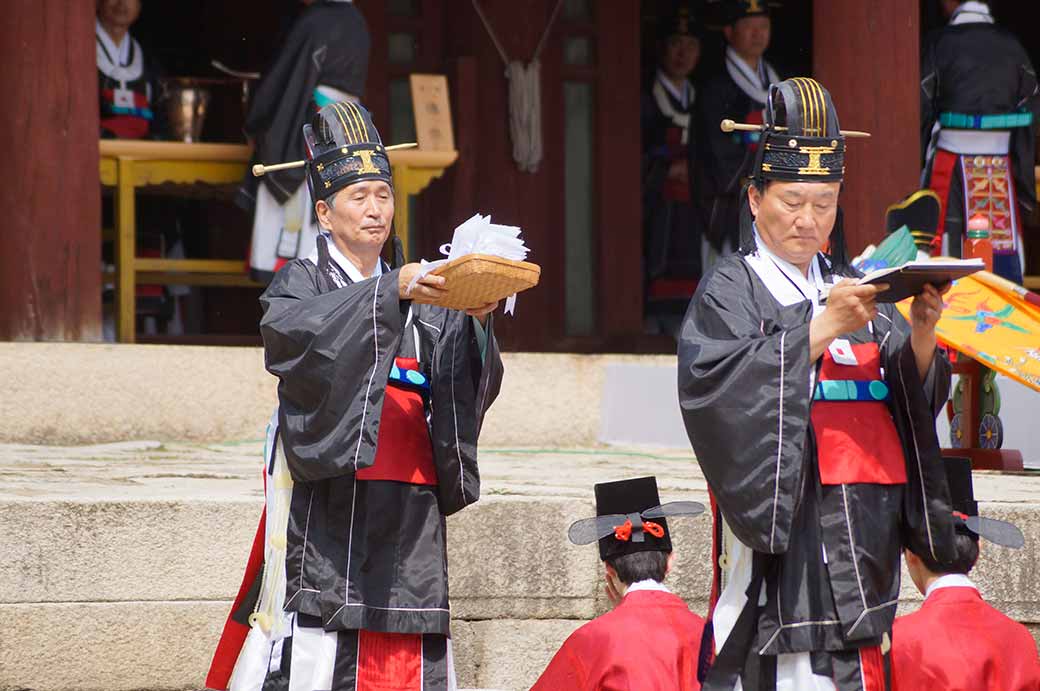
(202, 266)
(619, 223)
(50, 286)
(885, 168)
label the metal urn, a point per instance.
(186, 103)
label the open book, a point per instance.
(910, 278)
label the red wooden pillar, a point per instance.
(50, 241)
(867, 55)
(620, 225)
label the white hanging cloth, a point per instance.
(525, 96)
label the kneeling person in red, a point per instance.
(650, 641)
(957, 642)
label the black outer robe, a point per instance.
(328, 44)
(979, 68)
(723, 161)
(744, 396)
(671, 229)
(369, 554)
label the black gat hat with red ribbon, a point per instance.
(966, 509)
(630, 518)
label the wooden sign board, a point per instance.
(432, 112)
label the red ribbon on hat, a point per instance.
(623, 532)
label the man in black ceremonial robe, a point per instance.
(381, 401)
(737, 92)
(672, 223)
(811, 409)
(979, 102)
(323, 59)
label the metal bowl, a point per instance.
(186, 104)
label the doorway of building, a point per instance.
(676, 204)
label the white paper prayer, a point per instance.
(479, 235)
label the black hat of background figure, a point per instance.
(725, 12)
(626, 497)
(679, 20)
(966, 509)
(630, 518)
(343, 147)
(920, 213)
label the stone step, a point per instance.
(206, 394)
(121, 560)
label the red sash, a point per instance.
(389, 661)
(404, 452)
(941, 178)
(124, 125)
(856, 441)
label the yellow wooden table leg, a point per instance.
(401, 209)
(408, 182)
(125, 253)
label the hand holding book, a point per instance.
(911, 278)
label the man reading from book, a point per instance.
(811, 407)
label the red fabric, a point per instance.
(872, 665)
(624, 531)
(942, 177)
(754, 117)
(856, 440)
(716, 550)
(957, 642)
(650, 642)
(126, 126)
(389, 661)
(234, 634)
(404, 452)
(672, 288)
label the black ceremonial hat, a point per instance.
(801, 139)
(680, 21)
(343, 147)
(966, 509)
(920, 213)
(738, 9)
(630, 518)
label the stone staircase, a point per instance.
(121, 555)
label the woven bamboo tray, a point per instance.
(477, 279)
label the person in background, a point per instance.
(738, 92)
(651, 639)
(128, 86)
(323, 60)
(956, 640)
(672, 222)
(979, 101)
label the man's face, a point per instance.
(119, 12)
(680, 56)
(749, 36)
(360, 217)
(795, 219)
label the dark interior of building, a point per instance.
(184, 37)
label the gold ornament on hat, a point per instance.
(365, 154)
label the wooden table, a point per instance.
(128, 165)
(1033, 282)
